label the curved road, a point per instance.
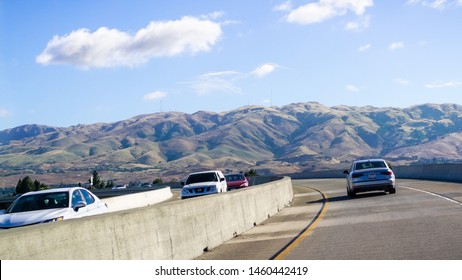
(423, 220)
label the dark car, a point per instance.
(370, 175)
(236, 181)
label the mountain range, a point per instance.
(272, 140)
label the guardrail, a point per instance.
(173, 230)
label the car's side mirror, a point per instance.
(222, 179)
(2, 211)
(79, 205)
(346, 172)
(182, 183)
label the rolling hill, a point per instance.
(284, 140)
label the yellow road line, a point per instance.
(296, 241)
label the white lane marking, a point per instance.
(434, 194)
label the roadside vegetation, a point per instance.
(26, 185)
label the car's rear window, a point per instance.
(370, 164)
(236, 177)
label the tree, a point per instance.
(251, 173)
(26, 185)
(96, 180)
(157, 181)
(110, 184)
(39, 186)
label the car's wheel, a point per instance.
(350, 193)
(392, 190)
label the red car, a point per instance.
(236, 181)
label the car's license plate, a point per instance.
(372, 176)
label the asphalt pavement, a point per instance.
(422, 221)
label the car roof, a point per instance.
(368, 160)
(55, 190)
(209, 171)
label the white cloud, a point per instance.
(436, 4)
(155, 95)
(214, 15)
(216, 82)
(322, 10)
(361, 24)
(225, 81)
(396, 45)
(111, 47)
(352, 88)
(439, 84)
(311, 13)
(364, 48)
(263, 70)
(402, 81)
(286, 6)
(4, 113)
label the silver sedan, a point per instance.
(370, 175)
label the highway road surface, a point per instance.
(423, 220)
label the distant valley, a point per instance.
(272, 140)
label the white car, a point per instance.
(50, 206)
(119, 187)
(202, 183)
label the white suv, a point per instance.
(202, 183)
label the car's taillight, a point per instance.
(357, 175)
(387, 173)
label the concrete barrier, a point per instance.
(440, 172)
(174, 230)
(136, 200)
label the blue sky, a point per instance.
(65, 63)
